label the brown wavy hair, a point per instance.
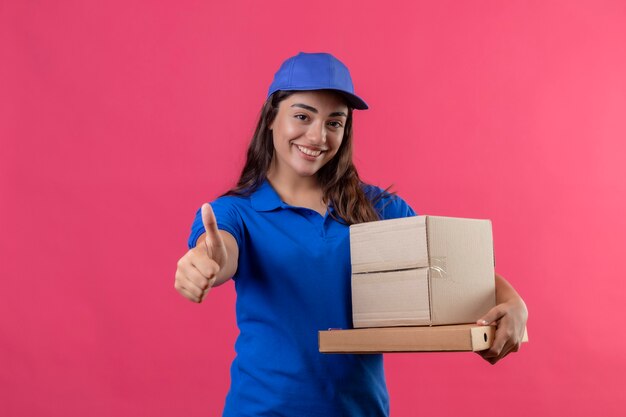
(338, 178)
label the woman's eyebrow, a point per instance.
(314, 110)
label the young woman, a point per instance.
(282, 235)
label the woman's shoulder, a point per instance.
(378, 195)
(233, 207)
(373, 191)
(388, 204)
(233, 199)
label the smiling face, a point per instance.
(307, 132)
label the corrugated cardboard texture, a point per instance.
(462, 276)
(391, 298)
(388, 245)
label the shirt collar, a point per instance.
(265, 198)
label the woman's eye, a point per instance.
(335, 124)
(301, 116)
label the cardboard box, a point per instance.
(453, 338)
(424, 270)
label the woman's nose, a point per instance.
(317, 133)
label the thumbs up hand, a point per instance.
(198, 269)
(215, 248)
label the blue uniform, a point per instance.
(292, 280)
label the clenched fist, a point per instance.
(201, 266)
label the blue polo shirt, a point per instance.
(292, 280)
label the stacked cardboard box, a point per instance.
(424, 270)
(415, 281)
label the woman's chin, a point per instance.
(306, 171)
(306, 174)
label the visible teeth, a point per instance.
(308, 151)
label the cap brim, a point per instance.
(353, 101)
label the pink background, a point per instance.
(119, 119)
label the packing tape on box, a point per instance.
(438, 267)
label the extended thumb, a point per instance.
(210, 224)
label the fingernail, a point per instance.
(483, 322)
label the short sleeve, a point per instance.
(228, 219)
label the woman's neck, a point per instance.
(298, 191)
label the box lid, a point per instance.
(388, 245)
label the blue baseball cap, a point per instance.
(316, 71)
